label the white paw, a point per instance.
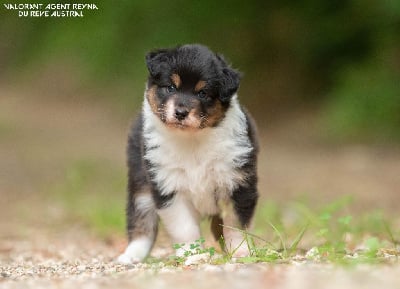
(136, 251)
(125, 259)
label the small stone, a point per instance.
(167, 270)
(197, 259)
(313, 253)
(5, 274)
(81, 267)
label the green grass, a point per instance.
(328, 234)
(94, 192)
(334, 233)
(364, 105)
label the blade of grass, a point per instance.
(280, 237)
(389, 232)
(250, 244)
(247, 233)
(297, 240)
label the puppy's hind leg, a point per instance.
(142, 227)
(237, 214)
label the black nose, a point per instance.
(181, 113)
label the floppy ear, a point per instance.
(156, 61)
(229, 80)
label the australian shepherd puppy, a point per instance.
(192, 153)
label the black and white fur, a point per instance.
(182, 170)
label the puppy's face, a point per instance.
(189, 87)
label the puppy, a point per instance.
(191, 153)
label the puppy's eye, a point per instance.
(202, 94)
(171, 88)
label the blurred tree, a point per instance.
(292, 53)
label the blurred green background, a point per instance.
(341, 57)
(320, 77)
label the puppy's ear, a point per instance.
(155, 61)
(221, 59)
(229, 79)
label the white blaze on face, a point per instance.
(191, 121)
(170, 111)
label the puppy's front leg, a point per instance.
(181, 221)
(237, 213)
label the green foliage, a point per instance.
(194, 249)
(330, 235)
(365, 104)
(287, 49)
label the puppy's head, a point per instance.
(189, 87)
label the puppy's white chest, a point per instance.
(203, 174)
(203, 166)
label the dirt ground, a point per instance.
(41, 247)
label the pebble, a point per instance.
(197, 259)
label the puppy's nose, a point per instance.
(181, 113)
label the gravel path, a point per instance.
(75, 259)
(99, 273)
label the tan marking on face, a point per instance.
(214, 115)
(192, 120)
(152, 99)
(176, 79)
(200, 85)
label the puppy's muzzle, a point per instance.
(181, 113)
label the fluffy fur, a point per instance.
(191, 153)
